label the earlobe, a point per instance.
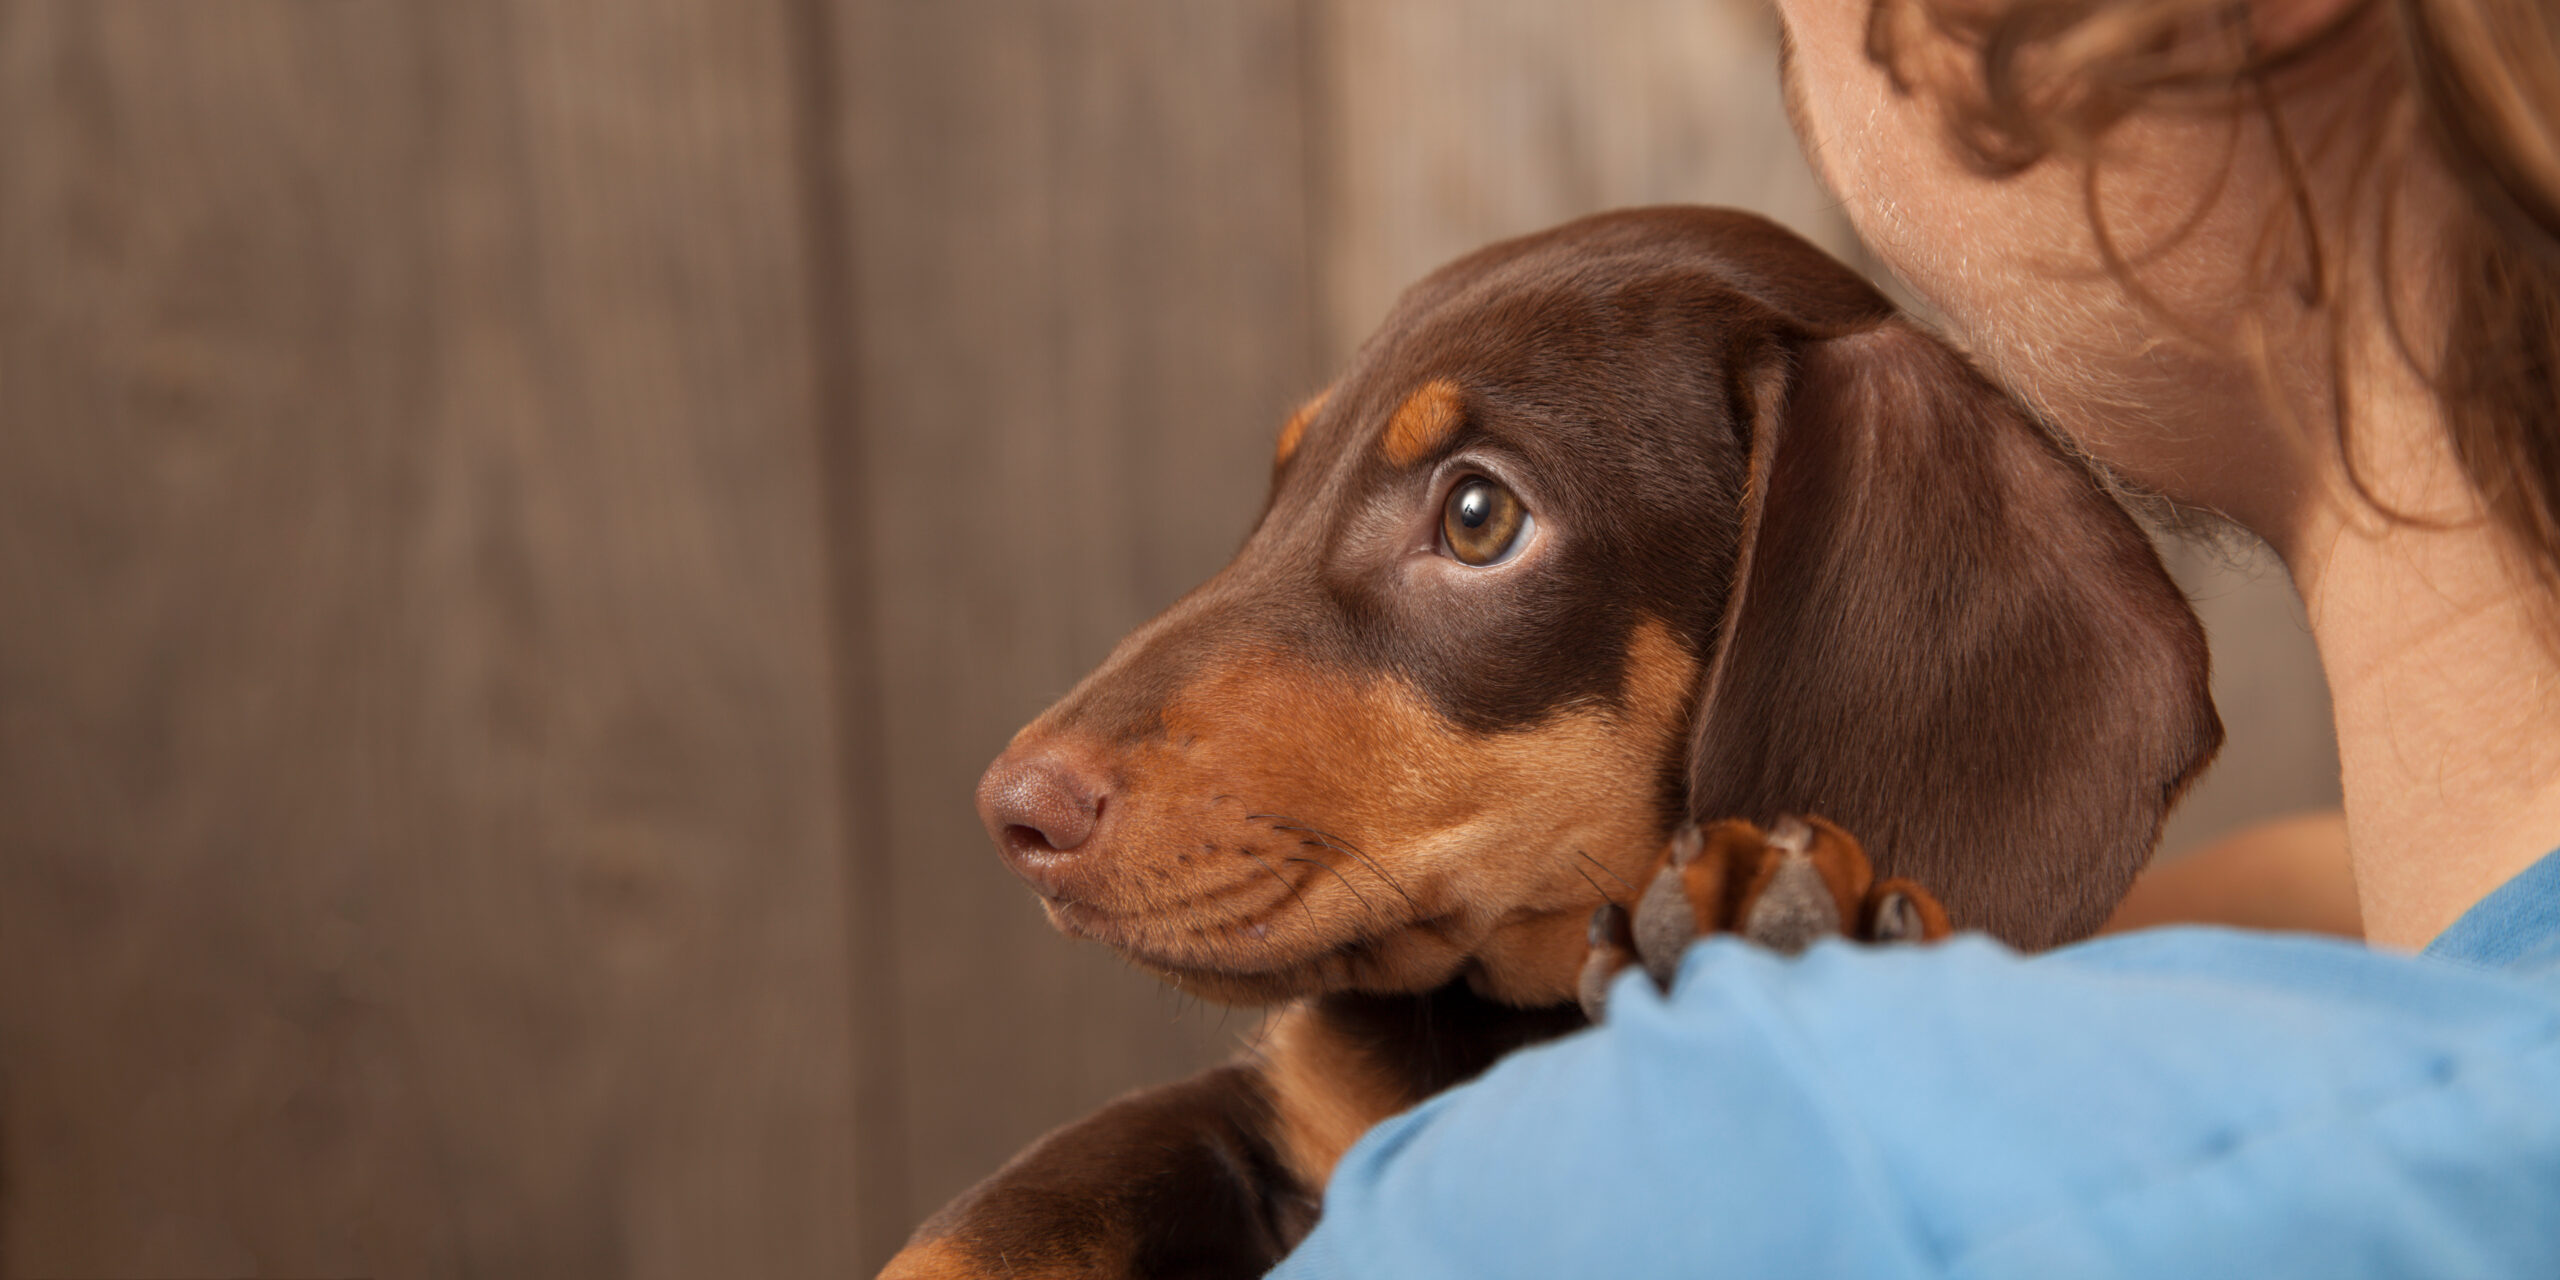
(1944, 635)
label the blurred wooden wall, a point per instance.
(520, 524)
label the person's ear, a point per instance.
(1945, 636)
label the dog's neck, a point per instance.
(1533, 961)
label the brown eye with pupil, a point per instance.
(1483, 523)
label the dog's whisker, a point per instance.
(1380, 873)
(1283, 822)
(1605, 868)
(1284, 883)
(1595, 885)
(1182, 1001)
(1337, 874)
(1374, 869)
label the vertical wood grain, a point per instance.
(520, 525)
(1452, 123)
(1084, 306)
(418, 844)
(876, 1097)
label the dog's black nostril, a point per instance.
(1027, 839)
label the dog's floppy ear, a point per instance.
(1945, 636)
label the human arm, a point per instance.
(2289, 875)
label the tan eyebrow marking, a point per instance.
(1423, 422)
(1295, 428)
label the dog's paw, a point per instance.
(1783, 888)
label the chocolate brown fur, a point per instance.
(1791, 554)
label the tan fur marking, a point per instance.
(1705, 880)
(1843, 863)
(1837, 857)
(1295, 429)
(1326, 1092)
(1661, 676)
(933, 1260)
(1360, 841)
(1423, 422)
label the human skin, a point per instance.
(2439, 650)
(2289, 874)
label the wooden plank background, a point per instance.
(520, 524)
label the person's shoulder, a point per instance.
(2190, 1022)
(2040, 1114)
(2188, 975)
(2192, 1102)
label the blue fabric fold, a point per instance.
(2181, 1102)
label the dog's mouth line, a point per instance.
(1320, 912)
(1180, 949)
(1258, 924)
(1349, 903)
(1197, 906)
(1213, 907)
(1300, 869)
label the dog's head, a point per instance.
(1657, 515)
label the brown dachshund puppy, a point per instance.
(1656, 518)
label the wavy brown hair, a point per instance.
(2475, 82)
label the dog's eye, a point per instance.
(1483, 523)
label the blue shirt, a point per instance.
(2181, 1102)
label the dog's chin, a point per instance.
(1255, 963)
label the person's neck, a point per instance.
(2445, 681)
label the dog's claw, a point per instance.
(1687, 843)
(1608, 926)
(1665, 923)
(1790, 834)
(1900, 911)
(1613, 948)
(1796, 907)
(1897, 919)
(1784, 888)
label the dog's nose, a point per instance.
(1041, 806)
